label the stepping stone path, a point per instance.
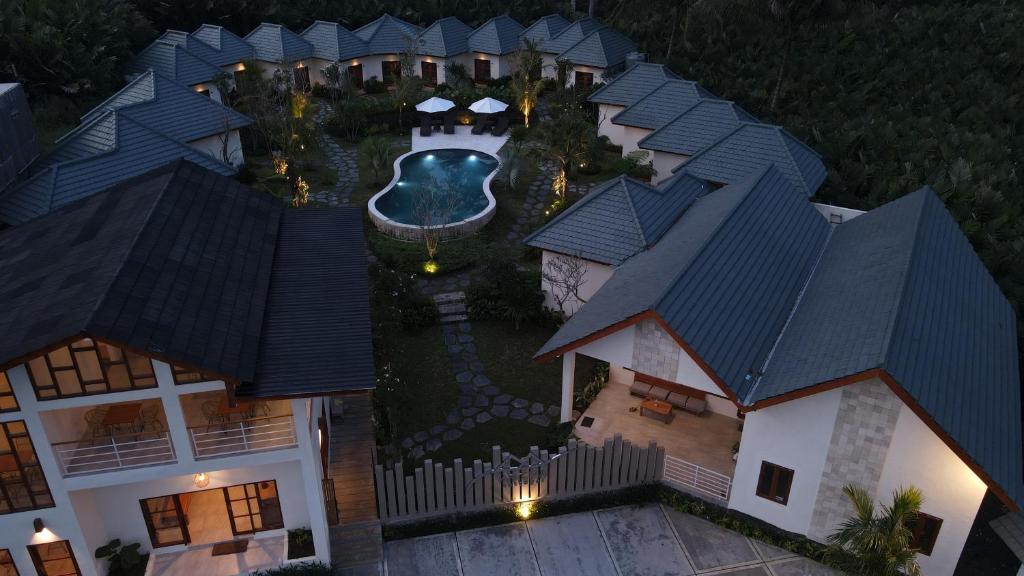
(344, 161)
(452, 306)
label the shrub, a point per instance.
(300, 543)
(508, 293)
(300, 569)
(398, 302)
(372, 85)
(245, 175)
(596, 378)
(123, 560)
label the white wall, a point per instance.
(214, 92)
(500, 65)
(605, 126)
(212, 146)
(615, 348)
(372, 65)
(692, 375)
(548, 67)
(917, 457)
(464, 59)
(631, 136)
(595, 277)
(664, 162)
(795, 434)
(597, 72)
(838, 212)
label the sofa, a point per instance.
(679, 400)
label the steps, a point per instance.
(357, 545)
(452, 306)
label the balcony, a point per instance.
(217, 429)
(110, 437)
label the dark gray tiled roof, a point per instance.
(618, 219)
(724, 277)
(446, 37)
(332, 41)
(388, 35)
(316, 331)
(193, 45)
(750, 148)
(175, 62)
(1010, 529)
(499, 35)
(181, 262)
(602, 48)
(109, 149)
(544, 29)
(231, 48)
(900, 288)
(698, 127)
(662, 104)
(275, 43)
(170, 108)
(572, 34)
(633, 84)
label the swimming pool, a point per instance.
(463, 175)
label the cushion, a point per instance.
(678, 400)
(639, 388)
(696, 405)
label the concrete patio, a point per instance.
(262, 554)
(704, 440)
(625, 541)
(463, 139)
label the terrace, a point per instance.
(216, 428)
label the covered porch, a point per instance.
(261, 554)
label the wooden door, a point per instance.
(428, 71)
(392, 71)
(584, 80)
(254, 507)
(301, 75)
(165, 520)
(355, 73)
(481, 70)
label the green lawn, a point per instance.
(424, 390)
(507, 355)
(514, 436)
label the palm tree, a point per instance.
(376, 152)
(870, 544)
(525, 88)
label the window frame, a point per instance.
(177, 373)
(37, 561)
(7, 561)
(93, 346)
(580, 75)
(917, 531)
(477, 64)
(7, 391)
(773, 491)
(22, 468)
(428, 79)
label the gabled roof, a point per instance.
(662, 104)
(602, 48)
(698, 127)
(446, 37)
(572, 34)
(332, 41)
(544, 29)
(388, 35)
(618, 219)
(175, 62)
(499, 35)
(231, 48)
(633, 84)
(275, 43)
(723, 278)
(109, 149)
(182, 263)
(170, 108)
(750, 148)
(193, 45)
(900, 288)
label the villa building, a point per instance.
(630, 86)
(564, 40)
(386, 38)
(170, 349)
(491, 47)
(232, 52)
(172, 60)
(830, 350)
(544, 29)
(334, 44)
(597, 56)
(655, 109)
(443, 42)
(18, 145)
(279, 49)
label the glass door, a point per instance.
(254, 507)
(54, 559)
(165, 520)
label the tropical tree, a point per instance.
(408, 91)
(457, 76)
(567, 138)
(525, 85)
(877, 542)
(375, 151)
(434, 206)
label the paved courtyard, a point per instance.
(649, 540)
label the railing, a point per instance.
(224, 439)
(331, 502)
(689, 476)
(114, 453)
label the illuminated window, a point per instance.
(8, 403)
(89, 367)
(54, 559)
(7, 567)
(22, 484)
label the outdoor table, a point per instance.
(656, 409)
(241, 407)
(122, 415)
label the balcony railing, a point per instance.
(254, 435)
(114, 453)
(686, 475)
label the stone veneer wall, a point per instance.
(655, 352)
(860, 441)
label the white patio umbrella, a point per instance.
(435, 104)
(488, 106)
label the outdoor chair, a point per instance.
(449, 124)
(94, 418)
(501, 127)
(426, 125)
(151, 421)
(481, 125)
(209, 409)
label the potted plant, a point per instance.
(123, 560)
(735, 450)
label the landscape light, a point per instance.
(524, 510)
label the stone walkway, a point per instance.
(344, 161)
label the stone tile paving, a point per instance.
(345, 162)
(624, 541)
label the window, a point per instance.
(205, 92)
(164, 520)
(584, 80)
(89, 367)
(834, 218)
(392, 71)
(774, 482)
(54, 559)
(8, 403)
(184, 375)
(428, 70)
(254, 507)
(22, 484)
(7, 567)
(355, 72)
(925, 530)
(481, 70)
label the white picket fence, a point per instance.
(688, 476)
(575, 469)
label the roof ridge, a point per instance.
(639, 100)
(720, 139)
(632, 209)
(670, 122)
(594, 192)
(150, 73)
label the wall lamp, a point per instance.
(37, 524)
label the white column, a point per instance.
(310, 453)
(568, 382)
(177, 425)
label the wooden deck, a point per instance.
(703, 440)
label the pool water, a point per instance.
(454, 172)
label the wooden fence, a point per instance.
(575, 469)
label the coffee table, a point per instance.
(656, 409)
